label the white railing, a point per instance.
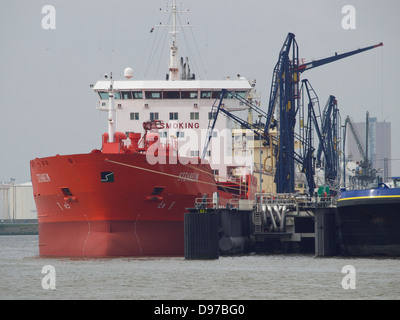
(293, 200)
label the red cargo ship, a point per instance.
(129, 198)
(114, 203)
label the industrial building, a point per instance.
(16, 202)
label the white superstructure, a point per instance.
(184, 105)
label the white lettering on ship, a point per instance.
(43, 177)
(66, 206)
(188, 176)
(162, 205)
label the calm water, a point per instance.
(246, 277)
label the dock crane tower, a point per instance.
(282, 109)
(309, 113)
(330, 127)
(284, 100)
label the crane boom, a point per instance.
(336, 57)
(356, 137)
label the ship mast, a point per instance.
(174, 64)
(173, 59)
(111, 111)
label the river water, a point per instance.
(250, 277)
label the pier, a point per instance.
(273, 223)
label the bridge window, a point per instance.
(216, 95)
(171, 95)
(103, 95)
(189, 94)
(205, 94)
(153, 95)
(242, 94)
(137, 95)
(126, 95)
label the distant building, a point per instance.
(17, 202)
(379, 146)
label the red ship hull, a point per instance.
(115, 204)
(111, 238)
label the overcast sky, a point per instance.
(48, 108)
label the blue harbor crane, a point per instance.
(308, 124)
(282, 112)
(284, 100)
(327, 132)
(330, 127)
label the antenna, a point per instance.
(173, 59)
(111, 111)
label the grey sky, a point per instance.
(47, 107)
